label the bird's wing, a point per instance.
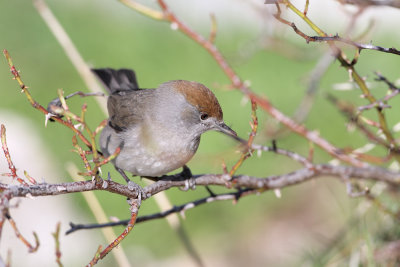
(129, 108)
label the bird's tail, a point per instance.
(116, 81)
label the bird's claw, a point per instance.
(140, 191)
(189, 184)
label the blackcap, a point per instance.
(158, 130)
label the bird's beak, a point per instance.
(225, 129)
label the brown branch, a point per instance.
(30, 247)
(266, 183)
(56, 236)
(36, 105)
(249, 150)
(134, 207)
(11, 166)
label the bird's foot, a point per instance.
(140, 191)
(186, 175)
(133, 186)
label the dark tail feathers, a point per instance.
(117, 80)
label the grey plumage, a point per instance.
(158, 130)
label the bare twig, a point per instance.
(36, 105)
(266, 183)
(176, 209)
(134, 207)
(30, 247)
(56, 236)
(247, 153)
(349, 65)
(11, 166)
(360, 46)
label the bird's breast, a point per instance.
(150, 152)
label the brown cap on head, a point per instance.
(199, 96)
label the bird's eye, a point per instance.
(203, 116)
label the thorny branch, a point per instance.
(341, 57)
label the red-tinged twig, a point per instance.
(96, 257)
(36, 105)
(56, 236)
(7, 152)
(369, 121)
(373, 159)
(20, 237)
(82, 154)
(312, 136)
(93, 171)
(110, 158)
(134, 211)
(11, 165)
(30, 178)
(248, 150)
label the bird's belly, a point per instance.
(143, 162)
(155, 156)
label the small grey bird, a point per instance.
(158, 130)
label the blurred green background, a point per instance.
(260, 230)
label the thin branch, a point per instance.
(56, 236)
(349, 65)
(36, 105)
(248, 152)
(30, 247)
(11, 166)
(360, 46)
(266, 183)
(134, 207)
(176, 209)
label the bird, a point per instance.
(158, 130)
